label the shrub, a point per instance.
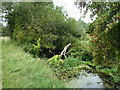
(55, 61)
(75, 49)
(5, 31)
(86, 56)
(79, 52)
(71, 62)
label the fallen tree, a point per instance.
(64, 50)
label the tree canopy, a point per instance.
(40, 24)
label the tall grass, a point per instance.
(0, 64)
(20, 70)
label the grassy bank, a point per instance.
(20, 70)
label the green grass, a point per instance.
(20, 70)
(0, 62)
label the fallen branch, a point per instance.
(64, 50)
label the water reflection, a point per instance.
(87, 80)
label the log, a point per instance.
(64, 50)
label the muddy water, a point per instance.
(88, 80)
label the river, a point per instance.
(90, 80)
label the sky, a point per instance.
(72, 10)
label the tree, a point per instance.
(41, 21)
(105, 31)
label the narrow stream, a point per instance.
(88, 80)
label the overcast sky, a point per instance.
(72, 10)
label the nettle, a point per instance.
(105, 39)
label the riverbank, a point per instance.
(20, 70)
(66, 70)
(91, 77)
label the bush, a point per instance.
(71, 62)
(55, 61)
(79, 52)
(67, 63)
(5, 31)
(75, 49)
(86, 56)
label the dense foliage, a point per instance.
(42, 27)
(105, 32)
